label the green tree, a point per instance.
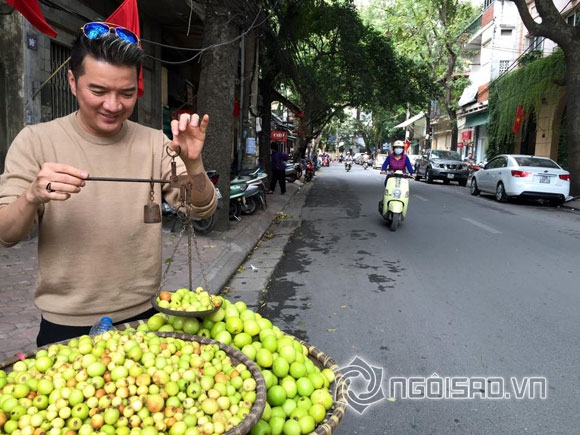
(431, 32)
(224, 22)
(330, 60)
(553, 26)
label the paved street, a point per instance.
(465, 288)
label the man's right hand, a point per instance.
(55, 182)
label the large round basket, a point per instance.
(235, 355)
(321, 360)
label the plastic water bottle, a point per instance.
(103, 325)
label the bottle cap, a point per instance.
(106, 319)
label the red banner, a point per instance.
(30, 9)
(407, 144)
(466, 135)
(518, 120)
(127, 16)
(278, 136)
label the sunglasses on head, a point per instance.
(97, 29)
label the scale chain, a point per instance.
(171, 259)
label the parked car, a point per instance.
(522, 176)
(441, 165)
(378, 162)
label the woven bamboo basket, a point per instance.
(236, 356)
(321, 360)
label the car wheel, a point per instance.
(500, 194)
(474, 190)
(428, 176)
(446, 181)
(557, 202)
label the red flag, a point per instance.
(127, 16)
(518, 120)
(407, 144)
(30, 9)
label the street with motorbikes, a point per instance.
(461, 321)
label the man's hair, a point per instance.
(108, 48)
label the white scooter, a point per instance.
(393, 207)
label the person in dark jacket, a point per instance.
(278, 169)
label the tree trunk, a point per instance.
(572, 56)
(265, 152)
(219, 70)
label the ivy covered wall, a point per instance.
(528, 86)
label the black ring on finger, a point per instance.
(48, 188)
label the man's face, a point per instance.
(106, 95)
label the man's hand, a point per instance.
(55, 182)
(188, 135)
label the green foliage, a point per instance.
(530, 56)
(427, 32)
(330, 60)
(525, 87)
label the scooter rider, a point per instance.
(348, 159)
(397, 160)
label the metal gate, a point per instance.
(62, 101)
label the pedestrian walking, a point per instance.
(279, 160)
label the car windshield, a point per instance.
(444, 154)
(536, 162)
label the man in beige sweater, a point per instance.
(96, 256)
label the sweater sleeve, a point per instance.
(409, 165)
(386, 163)
(204, 200)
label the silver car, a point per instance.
(522, 176)
(442, 165)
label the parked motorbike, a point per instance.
(201, 226)
(393, 207)
(247, 194)
(293, 172)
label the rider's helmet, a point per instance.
(348, 153)
(398, 147)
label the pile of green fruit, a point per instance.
(187, 301)
(298, 392)
(126, 383)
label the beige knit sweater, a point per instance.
(96, 256)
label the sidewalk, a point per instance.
(231, 263)
(573, 204)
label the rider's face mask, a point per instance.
(398, 151)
